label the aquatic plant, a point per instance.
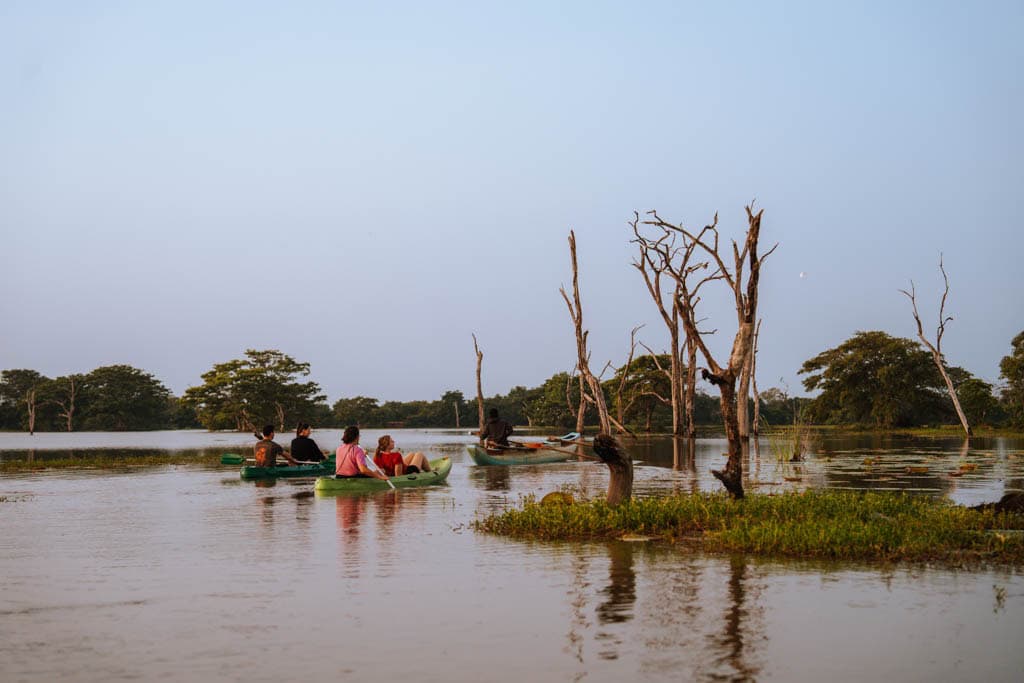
(812, 524)
(108, 460)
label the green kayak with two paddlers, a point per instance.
(439, 470)
(316, 469)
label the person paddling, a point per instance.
(304, 448)
(266, 450)
(351, 458)
(496, 431)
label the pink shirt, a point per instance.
(348, 457)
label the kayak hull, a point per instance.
(318, 470)
(439, 470)
(532, 456)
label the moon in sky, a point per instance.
(802, 275)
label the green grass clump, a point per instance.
(106, 460)
(812, 524)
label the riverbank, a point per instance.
(890, 527)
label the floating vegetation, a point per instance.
(813, 524)
(16, 498)
(103, 459)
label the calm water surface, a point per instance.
(187, 572)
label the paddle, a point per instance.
(373, 466)
(520, 447)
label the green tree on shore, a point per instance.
(1011, 369)
(873, 378)
(20, 398)
(120, 397)
(261, 388)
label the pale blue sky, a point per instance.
(364, 185)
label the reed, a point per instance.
(813, 524)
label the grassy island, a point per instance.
(112, 460)
(812, 524)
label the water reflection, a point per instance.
(735, 647)
(619, 597)
(349, 516)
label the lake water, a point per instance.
(185, 572)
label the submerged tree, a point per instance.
(745, 292)
(936, 349)
(479, 386)
(620, 466)
(596, 394)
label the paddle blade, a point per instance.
(232, 459)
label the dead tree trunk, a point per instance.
(67, 402)
(756, 427)
(745, 294)
(742, 394)
(479, 386)
(690, 390)
(30, 406)
(936, 349)
(620, 468)
(581, 409)
(576, 314)
(654, 259)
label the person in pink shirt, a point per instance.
(351, 460)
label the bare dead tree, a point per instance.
(620, 465)
(753, 380)
(620, 406)
(30, 406)
(66, 400)
(689, 276)
(936, 349)
(479, 386)
(596, 395)
(581, 409)
(725, 376)
(654, 259)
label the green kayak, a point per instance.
(515, 456)
(317, 470)
(439, 470)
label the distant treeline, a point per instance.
(872, 380)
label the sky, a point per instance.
(363, 186)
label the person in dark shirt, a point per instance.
(304, 449)
(495, 430)
(267, 450)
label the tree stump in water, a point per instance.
(1011, 502)
(620, 467)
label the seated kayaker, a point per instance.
(351, 458)
(388, 458)
(304, 449)
(496, 431)
(266, 450)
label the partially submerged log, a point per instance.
(620, 468)
(1011, 502)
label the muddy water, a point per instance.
(187, 573)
